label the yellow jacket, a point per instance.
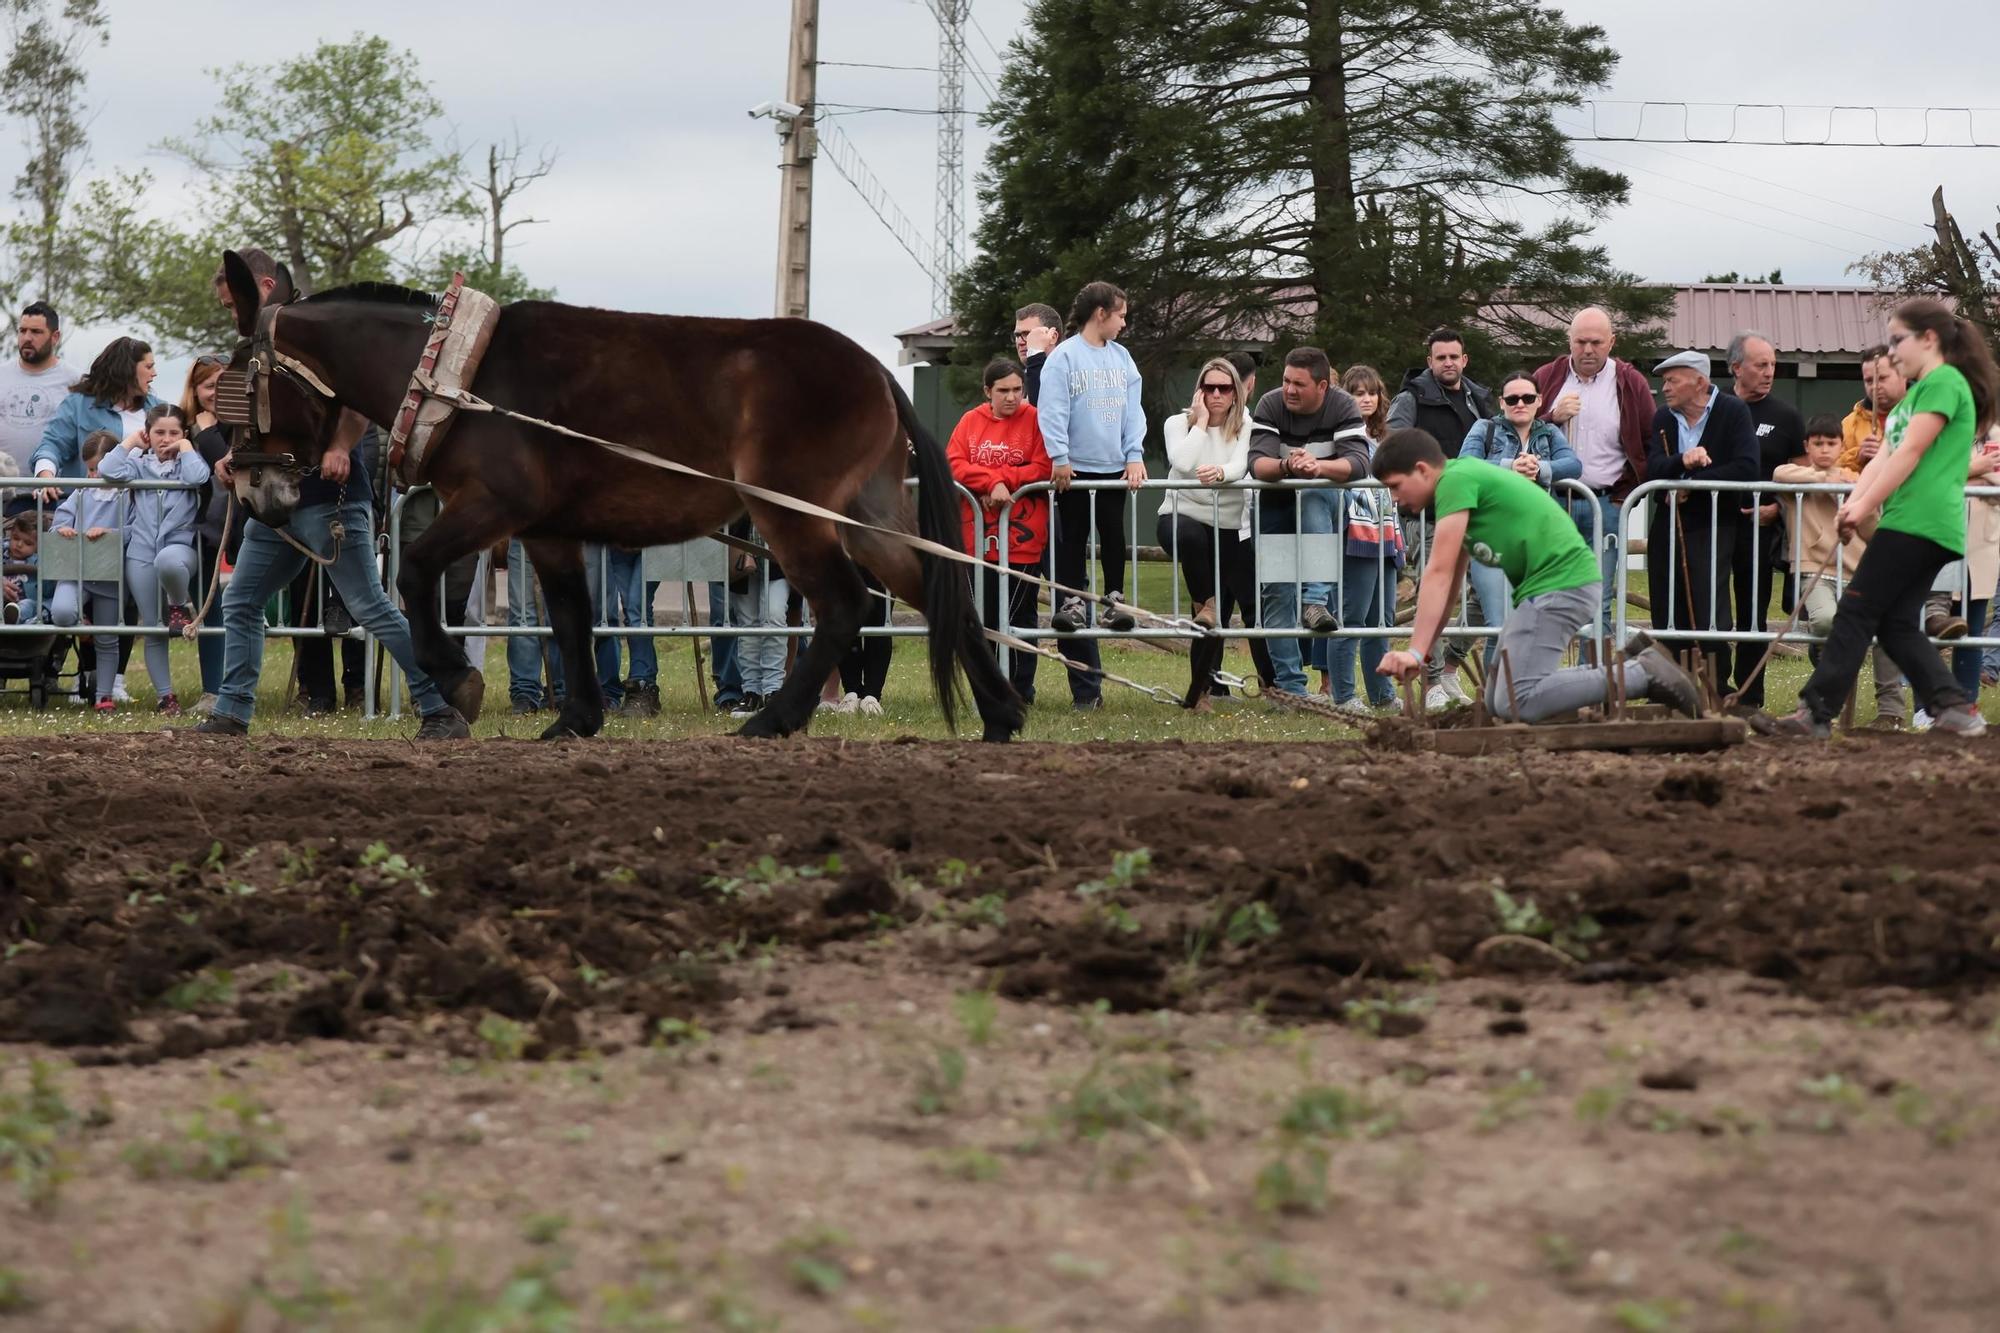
(1859, 425)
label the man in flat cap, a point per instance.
(1700, 435)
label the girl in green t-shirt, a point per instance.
(1917, 480)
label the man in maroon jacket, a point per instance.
(1604, 406)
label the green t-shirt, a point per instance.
(1516, 526)
(1931, 501)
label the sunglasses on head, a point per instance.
(211, 359)
(1517, 399)
(1218, 388)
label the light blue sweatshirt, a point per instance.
(156, 518)
(1090, 414)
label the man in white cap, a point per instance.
(1700, 435)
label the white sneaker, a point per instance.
(1454, 688)
(1921, 722)
(845, 704)
(1436, 700)
(1357, 707)
(118, 690)
(869, 706)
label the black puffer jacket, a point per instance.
(1423, 404)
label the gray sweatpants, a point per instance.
(1537, 634)
(171, 570)
(67, 607)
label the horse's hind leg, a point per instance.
(471, 522)
(559, 565)
(901, 571)
(814, 562)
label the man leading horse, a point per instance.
(334, 520)
(783, 418)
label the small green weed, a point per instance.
(14, 1294)
(939, 1078)
(1511, 1101)
(974, 1165)
(1251, 923)
(813, 1263)
(210, 988)
(988, 909)
(1647, 1316)
(1295, 1181)
(34, 1124)
(1120, 1094)
(977, 1012)
(234, 1134)
(1522, 917)
(505, 1040)
(767, 873)
(544, 1228)
(395, 867)
(1127, 869)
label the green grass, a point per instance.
(908, 708)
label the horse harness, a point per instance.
(462, 328)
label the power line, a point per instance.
(1747, 222)
(913, 69)
(1786, 137)
(998, 56)
(1737, 198)
(1765, 180)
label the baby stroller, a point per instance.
(29, 653)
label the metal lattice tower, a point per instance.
(948, 243)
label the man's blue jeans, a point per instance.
(618, 598)
(525, 655)
(267, 563)
(1279, 608)
(722, 651)
(1605, 508)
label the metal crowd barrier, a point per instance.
(1720, 561)
(1297, 557)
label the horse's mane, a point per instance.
(375, 293)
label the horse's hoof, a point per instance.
(467, 696)
(998, 735)
(559, 731)
(762, 726)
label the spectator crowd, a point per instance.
(1049, 459)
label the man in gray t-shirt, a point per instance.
(34, 384)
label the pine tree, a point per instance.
(1352, 172)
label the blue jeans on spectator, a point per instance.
(1361, 604)
(618, 598)
(728, 677)
(1606, 510)
(1490, 590)
(1279, 609)
(207, 647)
(525, 654)
(1318, 515)
(267, 563)
(761, 657)
(1965, 662)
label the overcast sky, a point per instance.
(665, 197)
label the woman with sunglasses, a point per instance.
(1515, 438)
(1210, 443)
(211, 441)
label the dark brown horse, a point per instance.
(784, 404)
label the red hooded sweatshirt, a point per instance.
(986, 449)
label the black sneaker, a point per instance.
(215, 724)
(748, 706)
(1318, 619)
(1668, 684)
(357, 698)
(444, 725)
(337, 620)
(1117, 616)
(523, 707)
(641, 700)
(1069, 617)
(1091, 705)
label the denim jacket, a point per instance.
(1496, 441)
(78, 417)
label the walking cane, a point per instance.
(700, 670)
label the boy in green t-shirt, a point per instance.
(1498, 517)
(1918, 479)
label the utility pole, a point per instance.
(948, 243)
(799, 141)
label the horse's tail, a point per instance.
(956, 634)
